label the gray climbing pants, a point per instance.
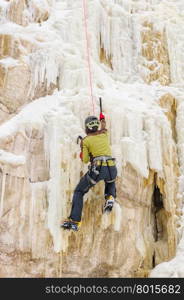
(108, 174)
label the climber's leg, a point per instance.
(77, 202)
(110, 188)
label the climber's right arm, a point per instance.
(102, 121)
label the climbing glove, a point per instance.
(102, 117)
(81, 155)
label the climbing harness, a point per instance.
(103, 158)
(106, 159)
(88, 53)
(96, 162)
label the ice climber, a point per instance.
(95, 148)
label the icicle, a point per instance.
(118, 216)
(45, 67)
(2, 193)
(3, 10)
(55, 211)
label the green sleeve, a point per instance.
(86, 157)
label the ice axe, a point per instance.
(102, 117)
(100, 99)
(79, 138)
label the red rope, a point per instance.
(88, 54)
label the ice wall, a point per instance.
(138, 74)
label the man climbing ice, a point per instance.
(95, 148)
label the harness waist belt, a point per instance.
(103, 158)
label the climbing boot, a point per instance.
(71, 225)
(108, 204)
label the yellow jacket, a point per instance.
(96, 144)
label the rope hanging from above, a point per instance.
(88, 54)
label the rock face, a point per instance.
(22, 11)
(43, 102)
(155, 55)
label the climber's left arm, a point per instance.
(84, 155)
